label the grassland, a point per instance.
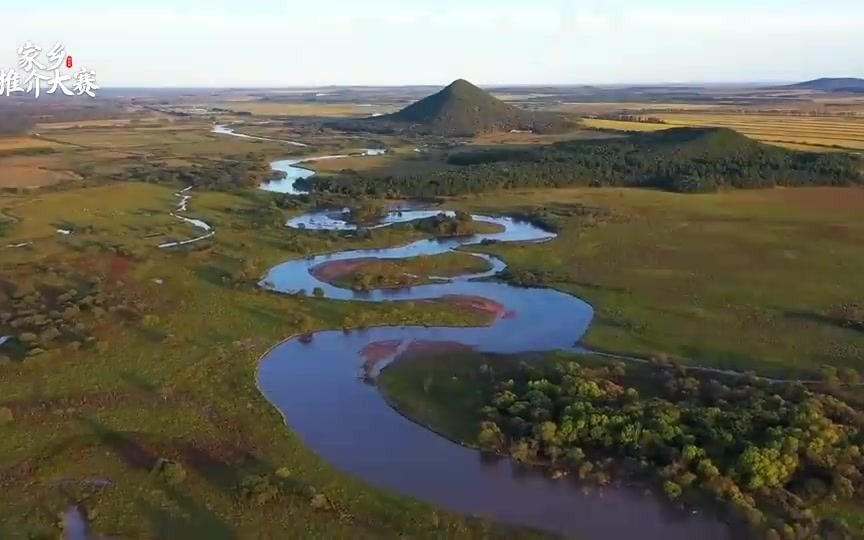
(750, 280)
(622, 125)
(179, 383)
(795, 131)
(34, 171)
(91, 153)
(443, 392)
(745, 280)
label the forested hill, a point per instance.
(462, 109)
(681, 159)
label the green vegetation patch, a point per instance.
(158, 430)
(765, 280)
(686, 160)
(770, 454)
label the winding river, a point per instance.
(321, 387)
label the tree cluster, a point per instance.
(442, 225)
(682, 160)
(767, 452)
(225, 175)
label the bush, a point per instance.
(259, 489)
(672, 490)
(318, 292)
(169, 471)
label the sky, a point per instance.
(281, 43)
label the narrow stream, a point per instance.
(290, 167)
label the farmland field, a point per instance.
(807, 132)
(259, 108)
(9, 144)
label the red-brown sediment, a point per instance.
(475, 303)
(379, 350)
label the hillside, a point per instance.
(827, 84)
(463, 109)
(680, 159)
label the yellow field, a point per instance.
(125, 138)
(21, 143)
(818, 131)
(622, 125)
(33, 171)
(305, 109)
(607, 107)
(103, 151)
(358, 163)
(801, 132)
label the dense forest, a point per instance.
(769, 453)
(682, 159)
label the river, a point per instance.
(321, 388)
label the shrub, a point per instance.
(259, 489)
(169, 471)
(320, 502)
(672, 490)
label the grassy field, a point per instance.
(801, 132)
(745, 279)
(34, 171)
(622, 125)
(443, 392)
(179, 382)
(95, 151)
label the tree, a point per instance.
(491, 438)
(169, 471)
(766, 467)
(672, 490)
